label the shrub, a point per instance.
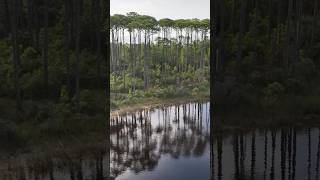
(91, 102)
(195, 91)
(272, 94)
(9, 136)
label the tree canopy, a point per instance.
(158, 57)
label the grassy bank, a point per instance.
(148, 103)
(147, 100)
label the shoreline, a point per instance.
(150, 103)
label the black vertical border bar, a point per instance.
(107, 84)
(211, 87)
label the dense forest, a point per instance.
(266, 56)
(53, 68)
(158, 58)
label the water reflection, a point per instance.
(165, 143)
(173, 143)
(89, 163)
(144, 144)
(276, 154)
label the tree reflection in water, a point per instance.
(137, 141)
(284, 153)
(89, 163)
(140, 139)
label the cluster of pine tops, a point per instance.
(266, 54)
(158, 58)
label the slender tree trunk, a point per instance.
(19, 12)
(7, 16)
(124, 59)
(30, 19)
(35, 26)
(270, 6)
(145, 58)
(98, 41)
(289, 34)
(67, 34)
(45, 48)
(242, 28)
(112, 50)
(299, 6)
(93, 19)
(77, 45)
(134, 59)
(131, 58)
(16, 57)
(315, 15)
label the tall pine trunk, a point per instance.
(98, 41)
(77, 45)
(7, 16)
(67, 37)
(145, 58)
(314, 21)
(45, 49)
(16, 57)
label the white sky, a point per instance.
(173, 9)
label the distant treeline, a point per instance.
(151, 55)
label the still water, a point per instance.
(171, 143)
(286, 153)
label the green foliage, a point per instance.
(9, 136)
(91, 102)
(31, 47)
(30, 60)
(164, 66)
(32, 83)
(272, 94)
(266, 58)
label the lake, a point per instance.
(286, 153)
(165, 143)
(173, 143)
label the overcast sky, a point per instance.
(173, 9)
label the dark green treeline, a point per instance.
(51, 51)
(266, 53)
